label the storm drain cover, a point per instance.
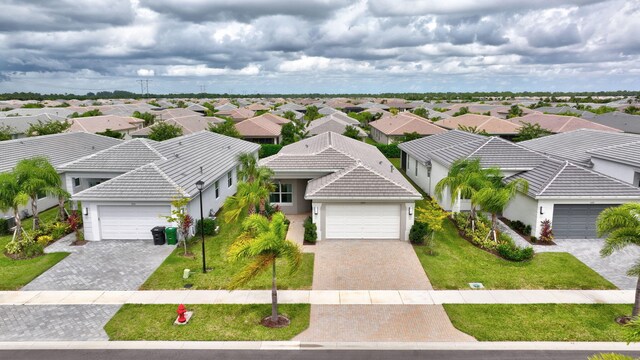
(476, 285)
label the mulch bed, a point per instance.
(526, 237)
(282, 321)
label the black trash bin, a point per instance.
(158, 235)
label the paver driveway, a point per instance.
(613, 268)
(101, 265)
(367, 265)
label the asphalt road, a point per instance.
(292, 354)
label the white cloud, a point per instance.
(203, 70)
(145, 72)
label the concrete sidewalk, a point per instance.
(319, 297)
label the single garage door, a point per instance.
(576, 221)
(362, 221)
(131, 222)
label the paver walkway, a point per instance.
(55, 322)
(380, 323)
(613, 268)
(296, 231)
(367, 265)
(101, 265)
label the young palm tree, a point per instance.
(11, 198)
(248, 167)
(37, 176)
(264, 242)
(244, 201)
(496, 197)
(621, 226)
(465, 178)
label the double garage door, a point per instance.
(362, 221)
(576, 221)
(133, 222)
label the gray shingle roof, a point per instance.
(625, 153)
(202, 156)
(574, 145)
(421, 148)
(333, 153)
(557, 179)
(20, 124)
(123, 157)
(58, 148)
(619, 120)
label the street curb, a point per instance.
(298, 345)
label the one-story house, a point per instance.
(559, 123)
(129, 205)
(481, 123)
(262, 129)
(350, 189)
(188, 124)
(389, 129)
(95, 124)
(334, 123)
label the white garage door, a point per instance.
(131, 222)
(363, 221)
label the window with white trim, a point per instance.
(216, 186)
(283, 194)
(230, 178)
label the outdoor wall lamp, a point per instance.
(541, 213)
(410, 211)
(86, 211)
(315, 210)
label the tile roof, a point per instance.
(94, 124)
(58, 148)
(20, 124)
(123, 157)
(574, 145)
(422, 148)
(559, 179)
(265, 125)
(626, 153)
(406, 122)
(188, 124)
(333, 124)
(490, 124)
(330, 153)
(619, 120)
(559, 123)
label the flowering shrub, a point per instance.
(546, 233)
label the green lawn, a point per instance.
(17, 273)
(396, 162)
(539, 322)
(169, 274)
(370, 141)
(209, 323)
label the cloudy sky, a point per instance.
(325, 46)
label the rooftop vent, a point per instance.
(177, 155)
(200, 169)
(391, 168)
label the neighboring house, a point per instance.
(327, 110)
(20, 124)
(188, 124)
(619, 161)
(349, 187)
(129, 205)
(559, 124)
(389, 129)
(197, 108)
(58, 149)
(225, 106)
(491, 124)
(166, 114)
(560, 190)
(619, 120)
(566, 109)
(298, 114)
(257, 107)
(263, 129)
(237, 114)
(290, 106)
(54, 112)
(333, 123)
(95, 124)
(373, 106)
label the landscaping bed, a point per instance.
(539, 322)
(169, 274)
(219, 322)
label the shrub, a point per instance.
(546, 233)
(209, 225)
(514, 253)
(24, 248)
(533, 239)
(527, 230)
(389, 151)
(4, 227)
(310, 231)
(268, 150)
(418, 233)
(44, 240)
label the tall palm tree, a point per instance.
(621, 226)
(11, 198)
(464, 179)
(264, 242)
(244, 200)
(37, 176)
(496, 197)
(248, 167)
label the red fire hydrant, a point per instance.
(181, 314)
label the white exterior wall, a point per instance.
(379, 137)
(525, 209)
(439, 172)
(421, 179)
(626, 173)
(209, 202)
(43, 204)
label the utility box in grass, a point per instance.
(171, 234)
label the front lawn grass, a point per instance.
(539, 322)
(219, 322)
(457, 262)
(169, 274)
(18, 273)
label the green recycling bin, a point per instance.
(171, 234)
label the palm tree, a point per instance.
(495, 198)
(37, 176)
(264, 242)
(621, 226)
(465, 178)
(11, 198)
(244, 201)
(248, 167)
